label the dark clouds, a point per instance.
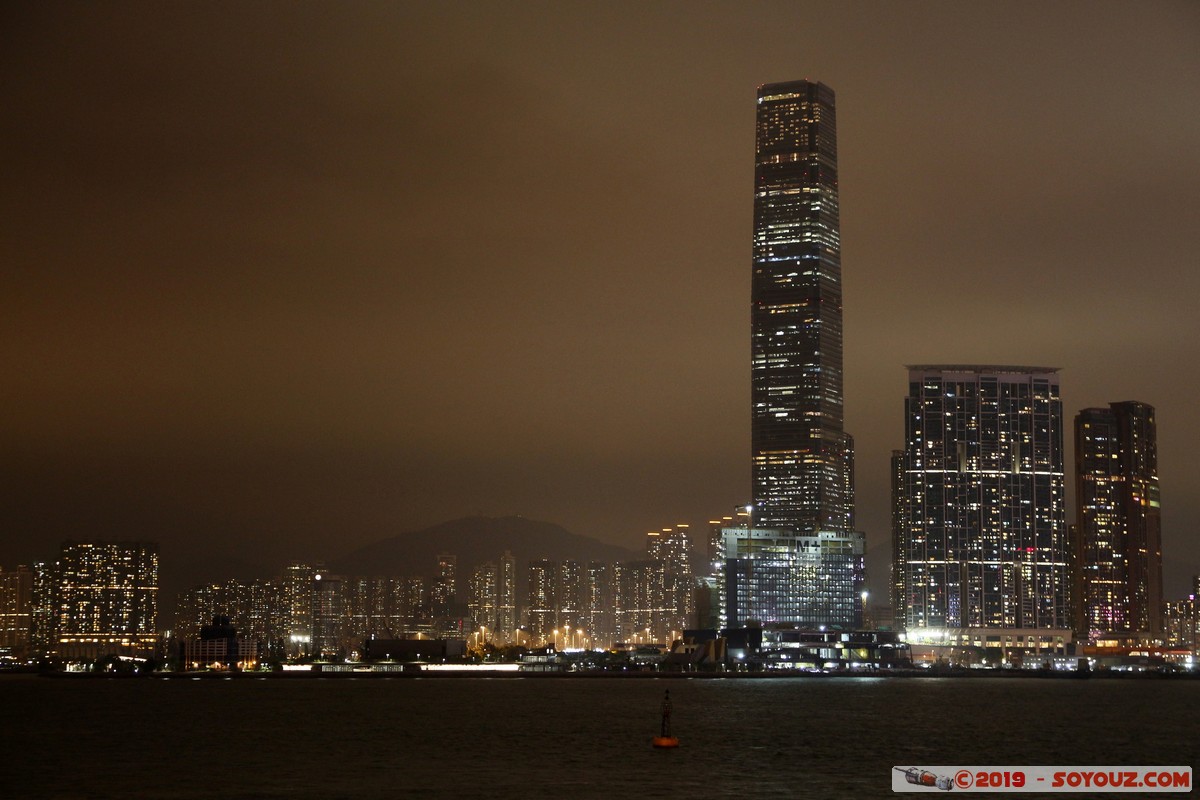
(291, 277)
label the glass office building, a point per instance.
(802, 459)
(798, 560)
(773, 577)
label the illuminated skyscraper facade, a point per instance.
(802, 459)
(107, 599)
(899, 532)
(16, 612)
(982, 540)
(1118, 544)
(328, 616)
(445, 588)
(255, 609)
(540, 610)
(483, 597)
(506, 599)
(598, 602)
(672, 549)
(774, 577)
(297, 597)
(799, 560)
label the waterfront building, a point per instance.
(297, 601)
(774, 577)
(107, 599)
(258, 609)
(802, 458)
(218, 646)
(1181, 624)
(329, 635)
(990, 647)
(1117, 535)
(899, 528)
(981, 540)
(44, 612)
(261, 618)
(16, 613)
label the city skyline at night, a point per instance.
(456, 399)
(291, 286)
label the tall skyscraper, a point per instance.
(328, 615)
(16, 612)
(107, 599)
(802, 459)
(445, 589)
(506, 599)
(297, 597)
(540, 606)
(672, 548)
(598, 602)
(483, 599)
(44, 613)
(1118, 544)
(982, 540)
(896, 590)
(799, 560)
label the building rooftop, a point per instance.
(987, 369)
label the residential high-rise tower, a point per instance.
(1118, 544)
(107, 599)
(981, 539)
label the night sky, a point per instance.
(282, 279)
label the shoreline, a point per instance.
(906, 674)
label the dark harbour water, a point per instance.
(564, 737)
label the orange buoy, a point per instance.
(664, 738)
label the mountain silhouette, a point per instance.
(474, 541)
